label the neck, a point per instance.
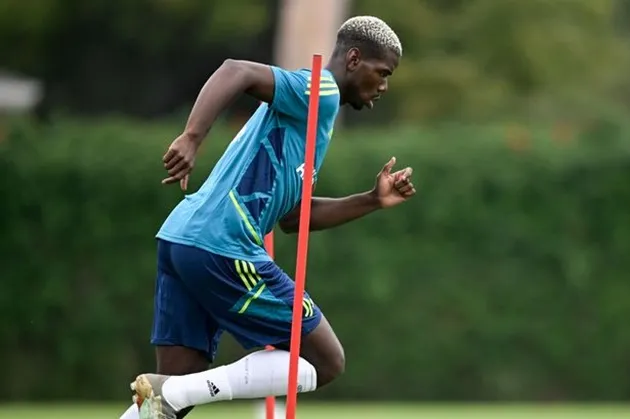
(338, 69)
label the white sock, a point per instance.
(131, 413)
(258, 375)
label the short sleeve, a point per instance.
(292, 90)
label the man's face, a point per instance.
(368, 77)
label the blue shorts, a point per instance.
(199, 295)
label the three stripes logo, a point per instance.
(327, 86)
(247, 272)
(308, 305)
(214, 390)
(251, 279)
(249, 276)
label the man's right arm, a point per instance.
(285, 91)
(232, 79)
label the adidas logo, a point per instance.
(214, 390)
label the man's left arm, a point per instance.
(390, 190)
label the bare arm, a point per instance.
(390, 190)
(332, 212)
(232, 79)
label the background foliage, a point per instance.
(505, 279)
(474, 60)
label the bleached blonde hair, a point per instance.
(368, 30)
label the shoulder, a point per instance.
(302, 78)
(293, 90)
(294, 78)
(329, 96)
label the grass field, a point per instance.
(339, 411)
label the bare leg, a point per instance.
(179, 360)
(323, 350)
(257, 375)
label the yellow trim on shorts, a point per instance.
(308, 307)
(252, 298)
(247, 272)
(251, 273)
(240, 273)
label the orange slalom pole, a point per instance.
(270, 402)
(303, 235)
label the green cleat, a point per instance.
(148, 397)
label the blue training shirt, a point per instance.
(258, 179)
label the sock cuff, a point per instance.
(307, 376)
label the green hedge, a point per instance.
(504, 279)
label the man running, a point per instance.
(214, 274)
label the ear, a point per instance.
(353, 58)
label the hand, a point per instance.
(179, 160)
(392, 189)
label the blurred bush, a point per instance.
(140, 57)
(504, 279)
(485, 59)
(474, 60)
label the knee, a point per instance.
(332, 367)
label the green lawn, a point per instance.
(230, 410)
